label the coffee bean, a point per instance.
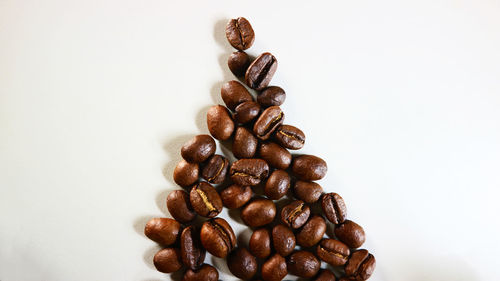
(351, 233)
(361, 265)
(168, 260)
(192, 252)
(268, 121)
(215, 169)
(348, 278)
(235, 196)
(261, 71)
(325, 275)
(307, 191)
(249, 171)
(260, 243)
(218, 237)
(163, 231)
(179, 206)
(246, 112)
(219, 122)
(283, 240)
(258, 212)
(205, 200)
(312, 232)
(242, 264)
(290, 137)
(273, 95)
(309, 168)
(205, 273)
(333, 252)
(238, 63)
(277, 185)
(275, 155)
(244, 143)
(234, 93)
(198, 149)
(240, 33)
(295, 214)
(185, 173)
(274, 269)
(303, 264)
(334, 207)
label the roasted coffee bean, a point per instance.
(277, 184)
(198, 149)
(246, 112)
(185, 173)
(179, 206)
(260, 243)
(258, 212)
(290, 137)
(333, 252)
(240, 33)
(249, 171)
(283, 240)
(303, 264)
(273, 95)
(361, 265)
(236, 196)
(205, 273)
(325, 275)
(268, 121)
(309, 168)
(295, 214)
(219, 122)
(168, 260)
(192, 252)
(218, 237)
(238, 63)
(307, 191)
(234, 93)
(163, 231)
(215, 169)
(348, 278)
(242, 264)
(312, 232)
(334, 207)
(275, 155)
(244, 143)
(274, 269)
(205, 200)
(351, 233)
(261, 71)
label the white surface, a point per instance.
(96, 98)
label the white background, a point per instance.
(401, 98)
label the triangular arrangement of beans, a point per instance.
(291, 240)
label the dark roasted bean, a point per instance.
(240, 33)
(333, 252)
(361, 265)
(268, 121)
(290, 137)
(309, 168)
(295, 214)
(274, 269)
(179, 206)
(303, 264)
(168, 260)
(205, 200)
(351, 233)
(235, 196)
(219, 122)
(258, 212)
(273, 95)
(215, 169)
(261, 71)
(275, 155)
(260, 243)
(192, 252)
(246, 112)
(312, 232)
(163, 231)
(307, 191)
(277, 185)
(244, 143)
(249, 171)
(185, 173)
(325, 275)
(205, 273)
(234, 93)
(218, 237)
(283, 240)
(242, 264)
(238, 63)
(198, 149)
(334, 207)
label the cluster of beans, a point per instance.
(288, 235)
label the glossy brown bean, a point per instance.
(168, 260)
(260, 243)
(244, 143)
(258, 212)
(163, 231)
(295, 214)
(205, 200)
(235, 196)
(275, 155)
(307, 191)
(185, 173)
(215, 169)
(277, 185)
(179, 206)
(283, 240)
(198, 149)
(219, 122)
(312, 232)
(217, 237)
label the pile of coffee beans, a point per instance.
(275, 191)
